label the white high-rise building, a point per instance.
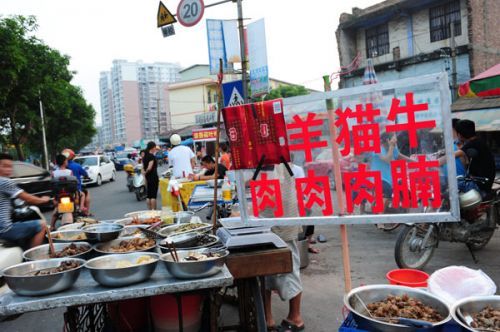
(133, 101)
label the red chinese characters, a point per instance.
(313, 190)
(266, 194)
(305, 135)
(411, 125)
(365, 134)
(359, 188)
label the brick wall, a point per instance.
(484, 34)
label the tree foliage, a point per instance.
(285, 91)
(31, 71)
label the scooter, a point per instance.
(480, 216)
(139, 183)
(129, 168)
(65, 191)
(12, 253)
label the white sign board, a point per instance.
(363, 162)
(257, 55)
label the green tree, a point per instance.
(285, 91)
(30, 71)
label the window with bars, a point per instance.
(440, 19)
(377, 41)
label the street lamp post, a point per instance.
(45, 152)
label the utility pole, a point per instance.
(241, 29)
(453, 63)
(45, 152)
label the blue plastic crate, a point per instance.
(349, 325)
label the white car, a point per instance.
(98, 167)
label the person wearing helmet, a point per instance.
(78, 172)
(180, 158)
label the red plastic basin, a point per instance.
(408, 277)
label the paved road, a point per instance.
(371, 258)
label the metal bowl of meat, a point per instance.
(102, 232)
(126, 245)
(122, 270)
(197, 241)
(478, 313)
(198, 227)
(68, 250)
(132, 231)
(390, 305)
(43, 277)
(192, 264)
(66, 236)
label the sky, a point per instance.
(301, 44)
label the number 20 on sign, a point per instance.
(190, 12)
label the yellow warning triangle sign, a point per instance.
(165, 17)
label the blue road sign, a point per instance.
(233, 93)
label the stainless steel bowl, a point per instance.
(193, 269)
(374, 293)
(104, 248)
(26, 285)
(143, 214)
(103, 269)
(42, 252)
(174, 229)
(132, 231)
(102, 232)
(473, 305)
(183, 217)
(67, 236)
(191, 245)
(76, 225)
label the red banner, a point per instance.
(257, 134)
(205, 134)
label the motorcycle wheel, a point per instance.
(407, 251)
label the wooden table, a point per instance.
(246, 268)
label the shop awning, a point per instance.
(485, 119)
(486, 84)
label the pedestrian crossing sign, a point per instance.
(164, 16)
(233, 93)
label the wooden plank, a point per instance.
(259, 263)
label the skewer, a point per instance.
(52, 250)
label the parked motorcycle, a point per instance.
(130, 170)
(139, 183)
(66, 194)
(416, 243)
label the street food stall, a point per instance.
(269, 142)
(113, 263)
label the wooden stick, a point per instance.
(52, 250)
(338, 186)
(217, 140)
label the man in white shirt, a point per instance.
(181, 158)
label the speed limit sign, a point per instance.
(190, 12)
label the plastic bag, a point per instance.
(453, 283)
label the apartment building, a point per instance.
(133, 103)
